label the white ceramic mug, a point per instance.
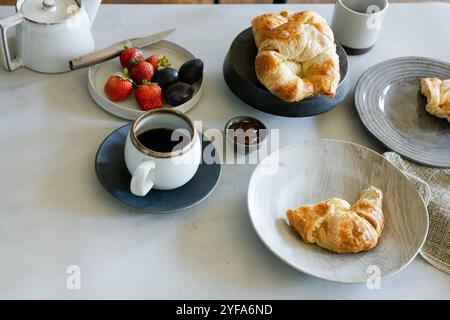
(356, 23)
(156, 169)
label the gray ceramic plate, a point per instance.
(128, 108)
(390, 105)
(316, 170)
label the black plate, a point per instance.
(114, 176)
(240, 76)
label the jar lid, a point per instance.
(49, 11)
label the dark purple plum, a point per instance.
(191, 71)
(178, 93)
(166, 77)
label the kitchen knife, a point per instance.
(115, 50)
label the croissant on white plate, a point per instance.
(437, 92)
(296, 55)
(339, 227)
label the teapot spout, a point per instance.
(92, 7)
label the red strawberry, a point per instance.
(142, 71)
(119, 86)
(130, 56)
(158, 61)
(149, 96)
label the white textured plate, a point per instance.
(390, 105)
(317, 170)
(129, 109)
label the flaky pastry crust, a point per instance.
(437, 92)
(296, 55)
(339, 227)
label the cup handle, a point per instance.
(140, 183)
(5, 24)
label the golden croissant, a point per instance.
(339, 227)
(438, 95)
(296, 55)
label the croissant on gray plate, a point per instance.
(337, 226)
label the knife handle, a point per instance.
(97, 56)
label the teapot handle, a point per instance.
(5, 24)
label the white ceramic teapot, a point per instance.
(50, 33)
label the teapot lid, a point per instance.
(49, 11)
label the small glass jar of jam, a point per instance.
(245, 133)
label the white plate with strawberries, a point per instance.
(162, 75)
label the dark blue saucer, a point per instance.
(114, 176)
(239, 74)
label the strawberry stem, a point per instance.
(124, 75)
(163, 62)
(135, 61)
(148, 83)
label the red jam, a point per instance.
(246, 131)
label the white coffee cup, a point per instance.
(162, 170)
(357, 23)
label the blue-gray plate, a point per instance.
(392, 108)
(115, 178)
(240, 76)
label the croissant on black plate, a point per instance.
(296, 55)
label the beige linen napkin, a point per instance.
(434, 186)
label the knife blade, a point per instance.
(115, 49)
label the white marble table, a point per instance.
(54, 213)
